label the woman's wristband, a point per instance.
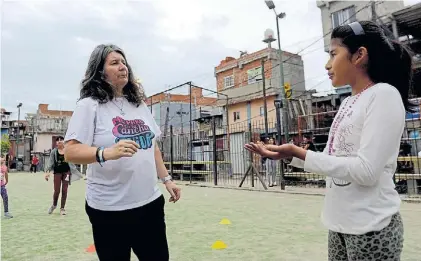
(100, 155)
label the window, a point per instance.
(236, 115)
(254, 75)
(262, 111)
(229, 81)
(344, 16)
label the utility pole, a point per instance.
(265, 107)
(18, 133)
(181, 117)
(282, 81)
(373, 11)
(33, 134)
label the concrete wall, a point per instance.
(383, 8)
(43, 142)
(250, 113)
(52, 124)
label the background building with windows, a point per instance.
(241, 80)
(335, 13)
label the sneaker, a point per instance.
(8, 215)
(62, 212)
(51, 209)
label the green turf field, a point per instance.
(265, 226)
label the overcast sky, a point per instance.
(45, 45)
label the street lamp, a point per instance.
(17, 135)
(281, 95)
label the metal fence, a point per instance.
(221, 159)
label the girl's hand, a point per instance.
(47, 176)
(261, 150)
(276, 152)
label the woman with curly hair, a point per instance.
(113, 132)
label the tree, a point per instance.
(5, 144)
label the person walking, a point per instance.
(64, 173)
(34, 164)
(4, 179)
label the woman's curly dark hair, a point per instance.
(95, 86)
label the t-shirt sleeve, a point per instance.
(82, 124)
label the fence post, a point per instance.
(251, 155)
(215, 163)
(171, 152)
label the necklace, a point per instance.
(120, 108)
(341, 115)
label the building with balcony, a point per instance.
(46, 125)
(400, 21)
(5, 121)
(241, 80)
(335, 13)
(170, 109)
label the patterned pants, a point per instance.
(5, 199)
(383, 245)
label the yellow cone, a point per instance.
(225, 221)
(219, 245)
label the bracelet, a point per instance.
(101, 155)
(166, 178)
(97, 155)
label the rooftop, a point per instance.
(231, 62)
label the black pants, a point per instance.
(33, 168)
(142, 229)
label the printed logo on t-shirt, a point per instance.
(135, 130)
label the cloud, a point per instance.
(46, 44)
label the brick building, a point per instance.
(176, 108)
(46, 125)
(241, 80)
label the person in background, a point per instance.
(270, 165)
(113, 132)
(308, 143)
(4, 175)
(34, 164)
(64, 172)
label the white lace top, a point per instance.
(361, 195)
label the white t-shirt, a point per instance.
(128, 182)
(360, 193)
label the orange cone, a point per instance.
(91, 249)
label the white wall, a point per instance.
(42, 142)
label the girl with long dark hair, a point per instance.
(361, 207)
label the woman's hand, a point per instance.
(174, 191)
(123, 148)
(47, 176)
